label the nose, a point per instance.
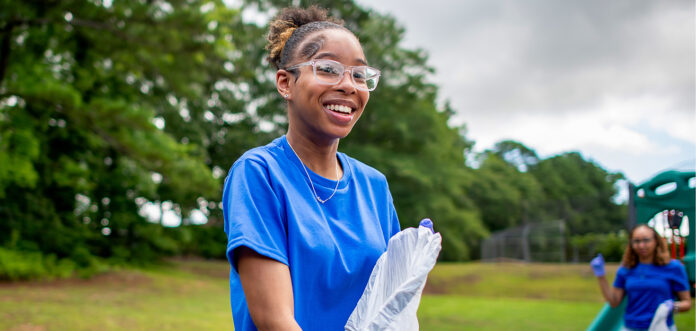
(346, 84)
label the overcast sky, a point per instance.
(611, 79)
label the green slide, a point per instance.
(609, 319)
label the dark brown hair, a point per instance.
(291, 26)
(661, 257)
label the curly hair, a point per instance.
(291, 26)
(661, 257)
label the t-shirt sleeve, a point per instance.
(620, 280)
(253, 212)
(393, 218)
(679, 280)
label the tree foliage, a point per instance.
(86, 90)
(106, 107)
(580, 192)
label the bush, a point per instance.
(611, 245)
(200, 240)
(18, 265)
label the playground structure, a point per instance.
(671, 195)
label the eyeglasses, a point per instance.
(641, 241)
(330, 72)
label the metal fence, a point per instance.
(534, 242)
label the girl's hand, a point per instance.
(597, 265)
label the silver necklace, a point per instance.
(310, 178)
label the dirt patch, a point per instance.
(111, 278)
(546, 274)
(28, 327)
(445, 286)
(197, 266)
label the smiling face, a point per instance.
(318, 111)
(643, 242)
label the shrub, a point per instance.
(18, 265)
(611, 245)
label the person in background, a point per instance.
(648, 277)
(306, 223)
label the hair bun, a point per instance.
(287, 22)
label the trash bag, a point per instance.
(390, 300)
(659, 321)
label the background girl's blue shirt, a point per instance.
(647, 286)
(330, 248)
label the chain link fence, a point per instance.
(533, 242)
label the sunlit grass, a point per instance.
(162, 298)
(516, 296)
(481, 313)
(568, 282)
(194, 295)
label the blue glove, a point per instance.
(597, 265)
(426, 222)
(670, 304)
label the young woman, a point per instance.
(648, 276)
(305, 223)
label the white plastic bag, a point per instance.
(393, 293)
(659, 321)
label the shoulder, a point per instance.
(675, 266)
(263, 156)
(363, 170)
(258, 165)
(622, 271)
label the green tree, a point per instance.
(516, 154)
(105, 106)
(505, 196)
(581, 192)
(89, 93)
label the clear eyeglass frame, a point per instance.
(369, 83)
(641, 241)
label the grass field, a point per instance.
(193, 295)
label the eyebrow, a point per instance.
(332, 55)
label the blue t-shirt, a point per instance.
(647, 286)
(330, 248)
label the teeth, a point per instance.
(340, 108)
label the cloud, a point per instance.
(617, 125)
(553, 56)
(612, 79)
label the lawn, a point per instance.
(515, 296)
(193, 295)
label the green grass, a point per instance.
(186, 296)
(568, 282)
(516, 296)
(480, 313)
(193, 295)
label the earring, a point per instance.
(287, 96)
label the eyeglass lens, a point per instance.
(331, 72)
(641, 241)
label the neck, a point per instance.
(646, 259)
(318, 156)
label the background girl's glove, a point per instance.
(597, 265)
(669, 304)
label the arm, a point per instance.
(684, 303)
(268, 290)
(613, 295)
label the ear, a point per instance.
(283, 83)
